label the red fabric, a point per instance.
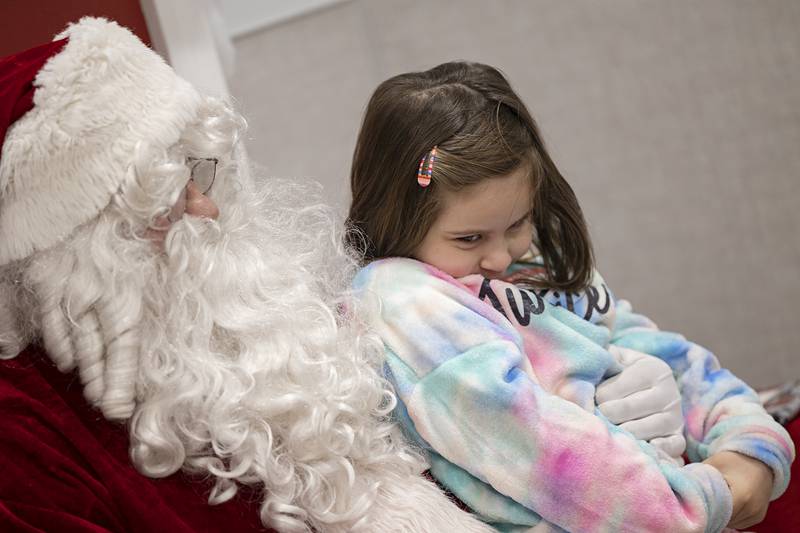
(66, 469)
(17, 73)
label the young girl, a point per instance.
(496, 363)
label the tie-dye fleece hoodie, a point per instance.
(496, 384)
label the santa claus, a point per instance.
(204, 310)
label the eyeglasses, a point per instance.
(203, 171)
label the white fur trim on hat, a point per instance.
(94, 102)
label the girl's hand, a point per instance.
(750, 482)
(644, 399)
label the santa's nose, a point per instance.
(198, 204)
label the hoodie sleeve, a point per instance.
(459, 370)
(721, 412)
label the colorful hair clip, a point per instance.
(424, 175)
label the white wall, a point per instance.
(246, 16)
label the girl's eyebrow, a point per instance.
(465, 232)
(472, 231)
(455, 230)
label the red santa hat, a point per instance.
(72, 113)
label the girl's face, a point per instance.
(483, 228)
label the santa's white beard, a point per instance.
(248, 370)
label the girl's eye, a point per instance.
(469, 239)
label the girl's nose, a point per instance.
(496, 261)
(198, 204)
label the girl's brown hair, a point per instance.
(482, 130)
